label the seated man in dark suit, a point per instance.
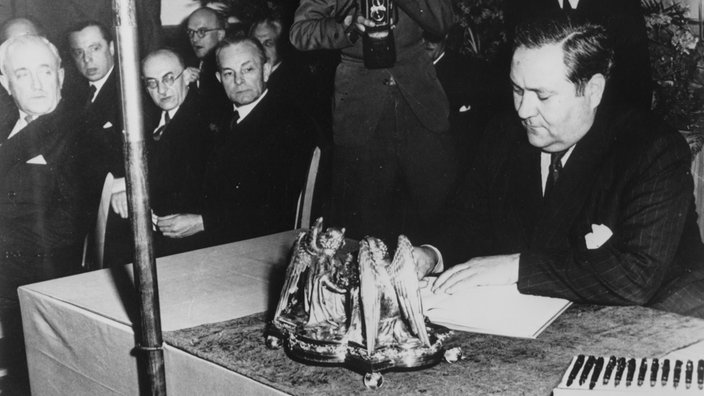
(260, 155)
(40, 191)
(179, 144)
(574, 198)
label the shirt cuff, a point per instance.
(439, 266)
(118, 185)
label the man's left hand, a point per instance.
(479, 271)
(180, 225)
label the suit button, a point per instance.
(11, 195)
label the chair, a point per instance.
(305, 199)
(94, 245)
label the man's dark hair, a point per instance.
(104, 31)
(586, 47)
(240, 39)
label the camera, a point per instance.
(378, 42)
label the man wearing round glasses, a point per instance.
(205, 29)
(177, 141)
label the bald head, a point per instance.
(205, 29)
(17, 27)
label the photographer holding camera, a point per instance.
(393, 161)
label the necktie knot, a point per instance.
(234, 119)
(554, 170)
(91, 94)
(160, 130)
(29, 118)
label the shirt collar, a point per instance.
(244, 110)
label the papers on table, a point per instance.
(499, 310)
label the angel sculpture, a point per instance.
(363, 310)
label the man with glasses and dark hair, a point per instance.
(574, 197)
(205, 29)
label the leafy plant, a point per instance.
(677, 62)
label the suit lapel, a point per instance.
(525, 191)
(571, 192)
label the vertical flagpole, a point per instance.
(150, 349)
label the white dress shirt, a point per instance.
(573, 3)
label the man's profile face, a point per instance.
(160, 67)
(242, 72)
(205, 22)
(268, 35)
(554, 116)
(33, 77)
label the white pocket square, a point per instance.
(599, 235)
(107, 125)
(465, 108)
(38, 160)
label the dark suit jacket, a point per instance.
(474, 99)
(629, 173)
(40, 205)
(212, 95)
(256, 172)
(360, 92)
(177, 160)
(623, 19)
(103, 120)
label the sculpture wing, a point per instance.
(371, 295)
(300, 261)
(405, 281)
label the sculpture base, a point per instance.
(301, 347)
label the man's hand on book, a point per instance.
(479, 271)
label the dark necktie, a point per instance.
(29, 118)
(554, 170)
(91, 93)
(567, 7)
(160, 131)
(234, 119)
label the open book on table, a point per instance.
(499, 310)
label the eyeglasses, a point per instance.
(168, 80)
(200, 32)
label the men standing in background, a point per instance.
(394, 161)
(92, 49)
(624, 22)
(205, 29)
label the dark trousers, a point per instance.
(395, 183)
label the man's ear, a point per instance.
(595, 89)
(218, 76)
(221, 35)
(111, 47)
(5, 83)
(61, 73)
(266, 71)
